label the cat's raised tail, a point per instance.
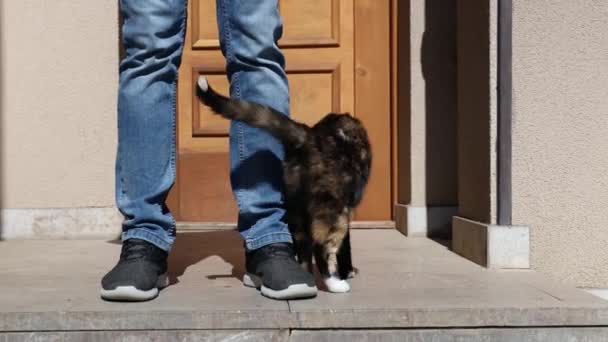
(289, 132)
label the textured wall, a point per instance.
(560, 136)
(59, 62)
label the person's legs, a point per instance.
(153, 35)
(249, 31)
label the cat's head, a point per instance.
(343, 126)
(345, 129)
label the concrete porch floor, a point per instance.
(408, 289)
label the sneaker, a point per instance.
(273, 269)
(139, 274)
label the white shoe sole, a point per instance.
(295, 291)
(132, 294)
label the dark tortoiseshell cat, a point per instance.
(326, 168)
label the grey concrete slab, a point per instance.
(578, 334)
(403, 283)
(150, 336)
(415, 282)
(54, 285)
(455, 335)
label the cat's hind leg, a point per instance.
(326, 252)
(345, 263)
(332, 282)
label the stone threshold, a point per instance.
(462, 318)
(389, 335)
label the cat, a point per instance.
(326, 169)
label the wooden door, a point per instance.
(326, 72)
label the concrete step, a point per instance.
(408, 289)
(569, 334)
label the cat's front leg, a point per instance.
(304, 252)
(328, 238)
(332, 280)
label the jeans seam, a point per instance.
(172, 161)
(239, 125)
(227, 32)
(121, 192)
(240, 136)
(235, 77)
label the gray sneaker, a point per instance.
(273, 269)
(139, 274)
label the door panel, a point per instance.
(318, 43)
(307, 23)
(314, 90)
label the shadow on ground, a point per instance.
(191, 248)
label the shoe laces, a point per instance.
(134, 249)
(280, 251)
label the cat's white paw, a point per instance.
(336, 285)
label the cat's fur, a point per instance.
(326, 168)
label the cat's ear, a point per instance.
(342, 135)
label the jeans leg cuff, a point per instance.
(252, 244)
(161, 242)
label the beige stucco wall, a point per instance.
(59, 70)
(560, 136)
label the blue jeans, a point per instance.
(153, 37)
